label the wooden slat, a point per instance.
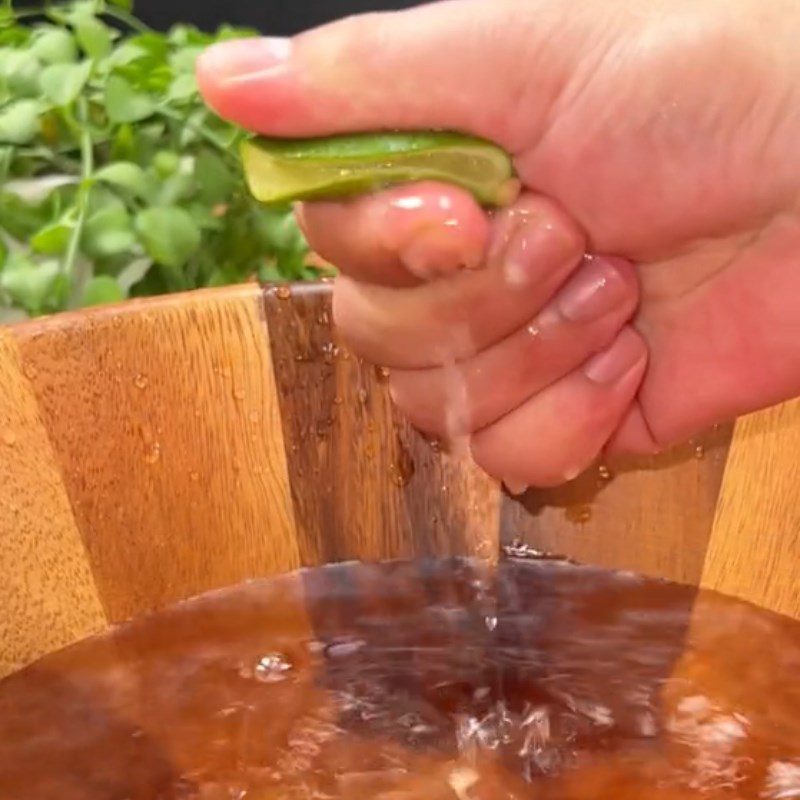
(754, 551)
(365, 485)
(165, 423)
(47, 594)
(653, 516)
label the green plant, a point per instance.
(115, 179)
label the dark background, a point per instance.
(271, 17)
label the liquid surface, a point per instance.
(408, 681)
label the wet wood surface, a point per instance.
(170, 446)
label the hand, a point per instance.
(665, 133)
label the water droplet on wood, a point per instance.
(9, 438)
(283, 293)
(141, 381)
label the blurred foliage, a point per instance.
(115, 180)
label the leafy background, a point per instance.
(115, 180)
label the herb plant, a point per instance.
(115, 179)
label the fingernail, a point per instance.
(537, 242)
(245, 59)
(515, 488)
(596, 289)
(614, 363)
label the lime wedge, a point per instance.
(286, 170)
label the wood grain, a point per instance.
(364, 484)
(164, 420)
(649, 515)
(47, 593)
(754, 550)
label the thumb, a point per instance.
(460, 65)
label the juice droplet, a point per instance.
(579, 514)
(401, 473)
(700, 452)
(9, 438)
(604, 472)
(194, 477)
(382, 373)
(337, 401)
(362, 396)
(272, 668)
(153, 453)
(116, 321)
(283, 293)
(140, 381)
(238, 393)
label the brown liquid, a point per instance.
(406, 681)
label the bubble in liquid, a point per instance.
(140, 381)
(272, 668)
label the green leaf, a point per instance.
(107, 233)
(19, 122)
(125, 175)
(53, 45)
(100, 290)
(126, 104)
(166, 162)
(133, 273)
(93, 36)
(214, 177)
(19, 71)
(125, 5)
(52, 239)
(169, 234)
(3, 252)
(62, 83)
(29, 284)
(184, 59)
(20, 218)
(183, 87)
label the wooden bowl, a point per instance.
(161, 448)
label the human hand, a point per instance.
(667, 132)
